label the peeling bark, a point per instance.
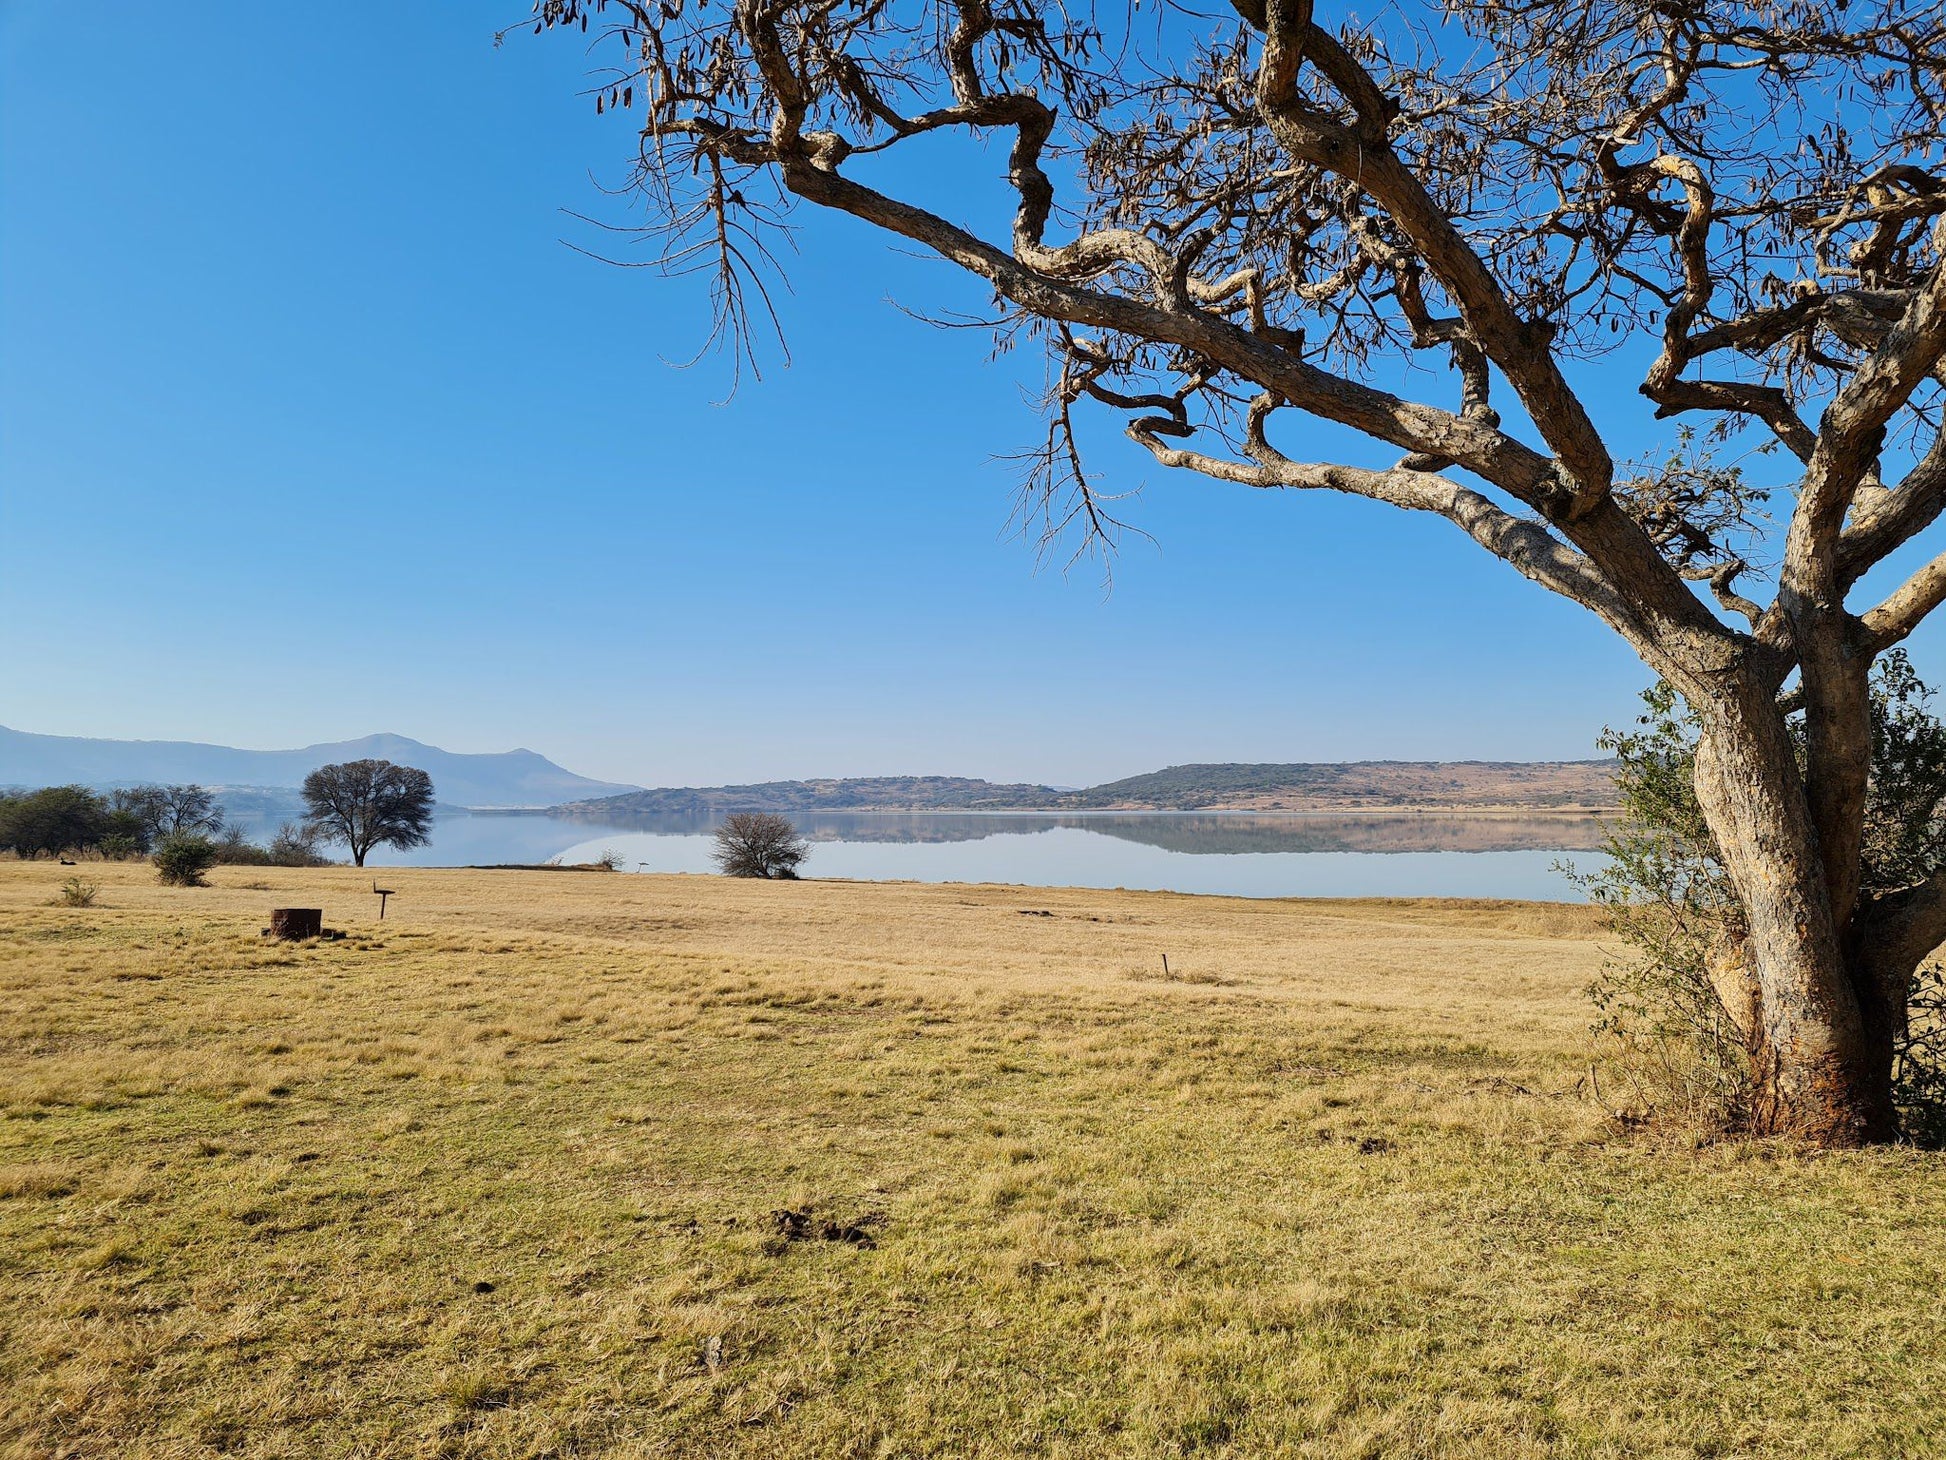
(1817, 1074)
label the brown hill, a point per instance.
(1314, 786)
(1348, 785)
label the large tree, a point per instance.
(1417, 227)
(51, 820)
(162, 811)
(369, 803)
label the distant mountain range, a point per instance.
(523, 780)
(1300, 786)
(858, 793)
(511, 778)
(1349, 785)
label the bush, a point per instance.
(76, 893)
(124, 829)
(296, 845)
(1919, 1068)
(759, 844)
(182, 859)
(1668, 1033)
(234, 849)
(293, 846)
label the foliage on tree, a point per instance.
(125, 822)
(369, 803)
(1420, 226)
(1683, 1008)
(52, 820)
(759, 844)
(128, 829)
(182, 857)
(136, 813)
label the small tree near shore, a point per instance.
(369, 803)
(759, 844)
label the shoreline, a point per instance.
(1500, 811)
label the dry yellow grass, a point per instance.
(495, 1178)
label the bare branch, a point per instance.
(1905, 607)
(1527, 546)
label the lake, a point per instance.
(1247, 854)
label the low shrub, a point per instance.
(181, 860)
(76, 893)
(234, 849)
(296, 845)
(293, 846)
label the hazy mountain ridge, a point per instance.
(524, 780)
(505, 779)
(1298, 786)
(857, 793)
(1349, 785)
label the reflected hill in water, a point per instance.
(1194, 833)
(1344, 786)
(1402, 832)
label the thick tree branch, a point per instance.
(1905, 607)
(1811, 593)
(1895, 518)
(1893, 933)
(1363, 157)
(1527, 546)
(1666, 613)
(1852, 430)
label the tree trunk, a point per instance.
(1822, 1067)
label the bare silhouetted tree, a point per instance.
(189, 810)
(759, 844)
(369, 803)
(166, 810)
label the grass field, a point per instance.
(497, 1177)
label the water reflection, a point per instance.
(1195, 833)
(1244, 854)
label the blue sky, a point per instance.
(311, 425)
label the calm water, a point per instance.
(1241, 854)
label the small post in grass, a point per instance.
(383, 893)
